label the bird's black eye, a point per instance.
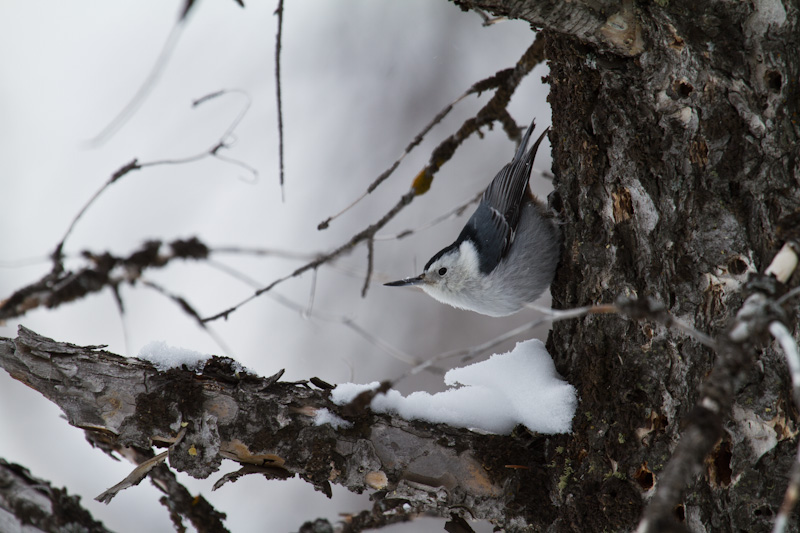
(442, 271)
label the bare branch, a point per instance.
(103, 270)
(368, 277)
(790, 350)
(144, 90)
(189, 309)
(278, 43)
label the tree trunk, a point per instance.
(675, 154)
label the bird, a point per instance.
(506, 255)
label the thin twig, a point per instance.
(347, 247)
(312, 293)
(278, 40)
(788, 296)
(790, 351)
(121, 312)
(368, 277)
(57, 256)
(650, 309)
(467, 354)
(245, 250)
(388, 172)
(789, 498)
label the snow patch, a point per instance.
(323, 416)
(164, 356)
(518, 387)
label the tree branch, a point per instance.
(28, 503)
(127, 403)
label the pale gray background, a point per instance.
(360, 79)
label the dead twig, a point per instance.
(278, 42)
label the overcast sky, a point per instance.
(360, 79)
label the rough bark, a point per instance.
(127, 406)
(676, 163)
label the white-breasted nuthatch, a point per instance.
(506, 255)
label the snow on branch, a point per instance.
(129, 407)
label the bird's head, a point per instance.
(450, 276)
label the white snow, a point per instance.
(518, 387)
(164, 356)
(324, 416)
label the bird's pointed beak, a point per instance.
(407, 282)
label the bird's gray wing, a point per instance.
(493, 224)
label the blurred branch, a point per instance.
(736, 351)
(103, 270)
(147, 85)
(28, 503)
(152, 78)
(790, 351)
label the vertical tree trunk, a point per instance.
(675, 155)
